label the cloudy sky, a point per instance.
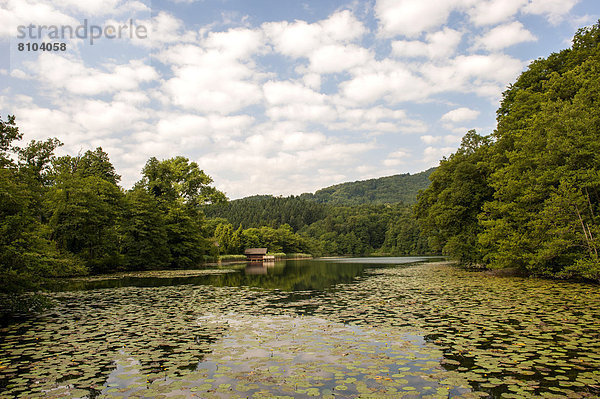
(277, 96)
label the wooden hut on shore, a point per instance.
(258, 255)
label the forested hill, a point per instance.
(266, 210)
(303, 210)
(384, 190)
(528, 196)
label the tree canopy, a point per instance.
(533, 201)
(64, 216)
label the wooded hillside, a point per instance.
(528, 195)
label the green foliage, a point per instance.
(349, 230)
(143, 232)
(324, 229)
(448, 209)
(404, 237)
(530, 192)
(180, 187)
(94, 163)
(9, 132)
(372, 218)
(179, 180)
(66, 216)
(266, 210)
(83, 205)
(306, 209)
(298, 256)
(277, 255)
(384, 190)
(27, 254)
(231, 258)
(228, 239)
(184, 237)
(279, 240)
(547, 165)
(36, 160)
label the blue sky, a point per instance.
(277, 97)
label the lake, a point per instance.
(343, 328)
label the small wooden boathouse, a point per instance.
(258, 255)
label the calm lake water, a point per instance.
(343, 328)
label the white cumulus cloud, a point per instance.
(554, 10)
(460, 115)
(495, 11)
(64, 73)
(412, 17)
(440, 44)
(505, 36)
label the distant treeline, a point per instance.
(357, 218)
(528, 195)
(319, 229)
(267, 210)
(384, 190)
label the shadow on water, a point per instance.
(296, 275)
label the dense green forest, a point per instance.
(64, 216)
(318, 229)
(327, 228)
(528, 195)
(267, 210)
(384, 190)
(357, 218)
(305, 209)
